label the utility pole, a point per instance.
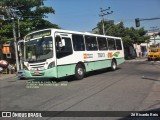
(102, 14)
(11, 14)
(15, 43)
(20, 49)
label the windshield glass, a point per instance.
(155, 50)
(39, 50)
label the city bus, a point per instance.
(56, 53)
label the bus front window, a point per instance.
(39, 50)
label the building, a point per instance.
(143, 48)
(154, 38)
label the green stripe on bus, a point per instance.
(66, 70)
(120, 60)
(90, 66)
(49, 73)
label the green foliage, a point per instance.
(31, 14)
(129, 35)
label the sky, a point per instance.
(83, 15)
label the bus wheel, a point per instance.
(79, 72)
(113, 65)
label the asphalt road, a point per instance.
(122, 90)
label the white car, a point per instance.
(21, 74)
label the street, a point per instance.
(129, 88)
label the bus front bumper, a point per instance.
(48, 73)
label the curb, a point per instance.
(6, 76)
(136, 60)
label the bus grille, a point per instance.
(37, 67)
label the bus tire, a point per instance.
(79, 71)
(113, 65)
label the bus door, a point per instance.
(63, 47)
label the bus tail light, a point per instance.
(51, 65)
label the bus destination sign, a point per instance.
(38, 34)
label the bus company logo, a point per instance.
(116, 54)
(85, 56)
(21, 114)
(110, 55)
(6, 114)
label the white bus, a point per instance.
(55, 53)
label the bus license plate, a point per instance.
(36, 73)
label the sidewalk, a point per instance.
(5, 76)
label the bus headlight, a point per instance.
(51, 65)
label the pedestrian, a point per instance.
(9, 68)
(13, 69)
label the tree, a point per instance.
(129, 35)
(31, 14)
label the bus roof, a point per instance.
(75, 32)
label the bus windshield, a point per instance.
(38, 50)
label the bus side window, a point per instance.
(91, 43)
(78, 42)
(102, 43)
(118, 44)
(111, 44)
(68, 45)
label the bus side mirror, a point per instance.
(62, 43)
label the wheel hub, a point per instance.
(114, 66)
(80, 71)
